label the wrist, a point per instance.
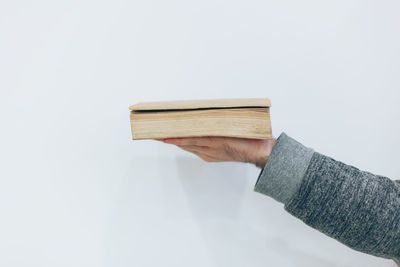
(264, 153)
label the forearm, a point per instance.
(357, 208)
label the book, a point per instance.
(240, 117)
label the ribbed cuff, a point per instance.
(282, 174)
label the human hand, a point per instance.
(217, 149)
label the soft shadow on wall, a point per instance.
(216, 193)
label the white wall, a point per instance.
(75, 190)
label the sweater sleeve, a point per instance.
(355, 207)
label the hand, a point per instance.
(217, 149)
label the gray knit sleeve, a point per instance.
(284, 170)
(355, 207)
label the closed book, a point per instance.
(240, 117)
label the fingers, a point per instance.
(205, 153)
(199, 149)
(192, 141)
(205, 157)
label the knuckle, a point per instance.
(227, 147)
(196, 142)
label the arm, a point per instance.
(357, 208)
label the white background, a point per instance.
(75, 190)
